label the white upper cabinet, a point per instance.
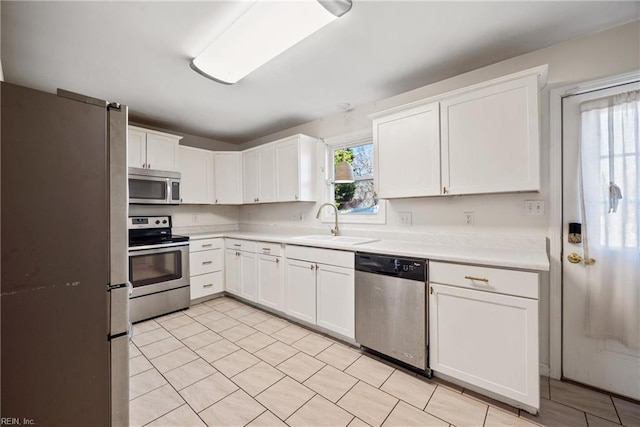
(490, 139)
(196, 170)
(480, 139)
(407, 152)
(295, 166)
(258, 171)
(281, 171)
(151, 149)
(227, 179)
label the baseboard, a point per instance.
(545, 370)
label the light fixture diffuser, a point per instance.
(344, 173)
(264, 31)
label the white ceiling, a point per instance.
(138, 53)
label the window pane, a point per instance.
(357, 197)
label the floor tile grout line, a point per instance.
(586, 412)
(391, 411)
(615, 408)
(298, 408)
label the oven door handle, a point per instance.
(155, 247)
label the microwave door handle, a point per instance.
(168, 183)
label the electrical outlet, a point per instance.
(469, 218)
(534, 207)
(405, 218)
(195, 219)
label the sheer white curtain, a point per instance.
(610, 164)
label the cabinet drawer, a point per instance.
(205, 262)
(267, 248)
(240, 245)
(321, 256)
(498, 280)
(206, 284)
(205, 244)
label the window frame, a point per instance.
(340, 142)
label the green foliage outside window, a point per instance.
(343, 192)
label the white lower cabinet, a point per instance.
(206, 267)
(270, 289)
(320, 288)
(483, 329)
(335, 299)
(240, 266)
(301, 290)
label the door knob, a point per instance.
(574, 258)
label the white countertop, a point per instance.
(526, 259)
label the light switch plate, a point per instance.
(534, 207)
(405, 218)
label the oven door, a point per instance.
(158, 268)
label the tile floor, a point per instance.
(224, 363)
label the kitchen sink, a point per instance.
(347, 240)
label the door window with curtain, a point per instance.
(610, 164)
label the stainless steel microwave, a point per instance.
(154, 187)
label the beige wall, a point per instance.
(611, 52)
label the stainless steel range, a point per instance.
(158, 268)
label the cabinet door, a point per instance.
(270, 281)
(490, 140)
(162, 152)
(250, 171)
(301, 290)
(196, 170)
(336, 299)
(233, 272)
(486, 339)
(249, 278)
(288, 171)
(228, 178)
(267, 175)
(137, 149)
(407, 152)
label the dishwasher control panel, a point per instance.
(389, 265)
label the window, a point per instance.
(356, 202)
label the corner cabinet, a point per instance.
(483, 330)
(149, 149)
(227, 179)
(196, 175)
(480, 139)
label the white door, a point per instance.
(196, 175)
(267, 174)
(336, 299)
(269, 281)
(288, 176)
(250, 177)
(137, 149)
(232, 271)
(228, 178)
(601, 301)
(301, 290)
(162, 152)
(249, 277)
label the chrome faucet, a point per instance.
(334, 231)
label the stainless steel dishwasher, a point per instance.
(391, 307)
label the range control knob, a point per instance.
(164, 221)
(157, 221)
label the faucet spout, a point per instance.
(335, 231)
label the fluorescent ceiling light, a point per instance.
(263, 32)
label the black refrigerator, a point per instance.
(64, 267)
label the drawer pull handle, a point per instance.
(266, 249)
(277, 260)
(207, 262)
(208, 245)
(237, 245)
(477, 279)
(208, 285)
